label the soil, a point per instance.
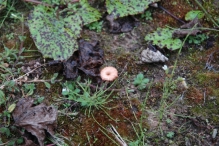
(169, 111)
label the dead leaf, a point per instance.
(35, 119)
(122, 25)
(89, 58)
(30, 66)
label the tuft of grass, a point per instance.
(81, 93)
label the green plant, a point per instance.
(193, 14)
(197, 39)
(8, 7)
(147, 15)
(170, 134)
(97, 26)
(29, 89)
(140, 81)
(8, 72)
(121, 8)
(5, 130)
(39, 99)
(81, 92)
(55, 32)
(162, 37)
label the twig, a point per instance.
(165, 10)
(15, 80)
(45, 4)
(38, 2)
(37, 81)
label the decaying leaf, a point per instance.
(121, 25)
(162, 37)
(89, 58)
(150, 55)
(35, 119)
(121, 8)
(32, 68)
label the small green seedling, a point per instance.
(147, 15)
(96, 26)
(29, 88)
(170, 134)
(197, 39)
(140, 81)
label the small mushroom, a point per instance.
(109, 73)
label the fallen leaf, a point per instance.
(89, 58)
(35, 119)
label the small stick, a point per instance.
(165, 10)
(37, 2)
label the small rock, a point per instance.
(150, 56)
(214, 133)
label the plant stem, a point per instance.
(7, 14)
(207, 14)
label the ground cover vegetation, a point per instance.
(52, 53)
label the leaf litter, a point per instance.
(37, 119)
(88, 59)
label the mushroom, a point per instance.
(109, 73)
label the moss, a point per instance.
(207, 111)
(209, 78)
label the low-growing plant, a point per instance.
(194, 14)
(170, 134)
(140, 81)
(197, 39)
(96, 26)
(147, 15)
(162, 37)
(29, 88)
(81, 93)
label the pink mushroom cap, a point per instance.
(109, 73)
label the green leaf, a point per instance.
(50, 35)
(121, 8)
(3, 4)
(2, 97)
(193, 14)
(55, 33)
(5, 131)
(162, 37)
(170, 134)
(47, 85)
(11, 107)
(145, 81)
(55, 75)
(140, 76)
(20, 140)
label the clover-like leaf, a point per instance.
(162, 37)
(121, 8)
(193, 14)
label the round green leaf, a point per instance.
(193, 14)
